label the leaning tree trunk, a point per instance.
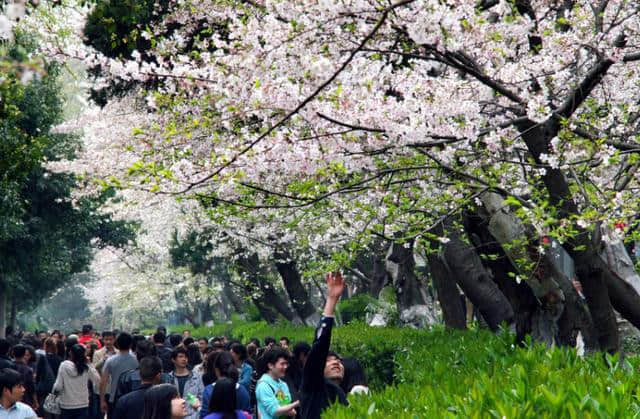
(297, 292)
(450, 299)
(595, 276)
(561, 312)
(414, 304)
(268, 297)
(268, 313)
(524, 303)
(272, 298)
(474, 280)
(229, 295)
(623, 282)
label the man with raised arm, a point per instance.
(323, 370)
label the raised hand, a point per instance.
(335, 285)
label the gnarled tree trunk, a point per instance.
(14, 313)
(229, 295)
(560, 311)
(595, 276)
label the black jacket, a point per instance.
(6, 363)
(164, 353)
(131, 406)
(316, 392)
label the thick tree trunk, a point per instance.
(272, 298)
(591, 271)
(3, 312)
(474, 280)
(623, 282)
(450, 299)
(297, 292)
(267, 313)
(253, 274)
(207, 312)
(556, 309)
(371, 267)
(414, 305)
(524, 303)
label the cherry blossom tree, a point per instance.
(321, 125)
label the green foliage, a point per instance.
(355, 308)
(67, 309)
(473, 374)
(46, 233)
(117, 28)
(478, 375)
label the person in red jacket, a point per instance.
(87, 336)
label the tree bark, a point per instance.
(297, 292)
(623, 282)
(272, 298)
(371, 264)
(380, 276)
(268, 313)
(450, 299)
(230, 296)
(556, 303)
(591, 271)
(522, 300)
(267, 296)
(477, 284)
(414, 305)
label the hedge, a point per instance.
(472, 374)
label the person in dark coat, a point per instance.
(131, 405)
(323, 370)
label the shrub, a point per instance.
(354, 308)
(469, 374)
(479, 375)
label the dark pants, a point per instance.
(94, 407)
(110, 408)
(82, 413)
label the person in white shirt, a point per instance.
(12, 388)
(72, 384)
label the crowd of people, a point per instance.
(124, 375)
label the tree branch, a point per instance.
(309, 98)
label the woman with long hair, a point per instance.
(193, 355)
(72, 382)
(222, 404)
(164, 402)
(224, 367)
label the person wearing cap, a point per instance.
(323, 370)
